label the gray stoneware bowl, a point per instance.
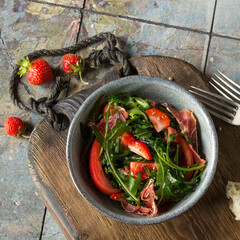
(161, 91)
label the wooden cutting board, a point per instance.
(210, 218)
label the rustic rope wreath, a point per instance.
(108, 55)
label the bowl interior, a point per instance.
(162, 91)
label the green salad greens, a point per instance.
(141, 157)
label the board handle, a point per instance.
(67, 108)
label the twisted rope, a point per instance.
(108, 55)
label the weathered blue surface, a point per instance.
(224, 55)
(75, 3)
(27, 26)
(51, 230)
(184, 13)
(227, 19)
(137, 38)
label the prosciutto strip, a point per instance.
(118, 112)
(148, 197)
(186, 121)
(125, 170)
(154, 103)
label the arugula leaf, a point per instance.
(185, 136)
(129, 102)
(98, 135)
(134, 183)
(136, 111)
(118, 130)
(143, 103)
(116, 175)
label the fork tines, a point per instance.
(225, 109)
(225, 86)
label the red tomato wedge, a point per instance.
(187, 160)
(126, 138)
(140, 148)
(97, 173)
(136, 167)
(158, 119)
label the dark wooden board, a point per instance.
(210, 218)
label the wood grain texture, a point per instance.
(210, 218)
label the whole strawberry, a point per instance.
(38, 71)
(14, 126)
(73, 64)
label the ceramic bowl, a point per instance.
(161, 91)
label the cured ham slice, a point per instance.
(118, 112)
(148, 197)
(186, 121)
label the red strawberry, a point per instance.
(38, 71)
(117, 196)
(136, 167)
(158, 119)
(126, 138)
(14, 126)
(73, 64)
(140, 148)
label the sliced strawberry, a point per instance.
(136, 167)
(126, 138)
(117, 196)
(140, 148)
(158, 119)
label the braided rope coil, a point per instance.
(108, 55)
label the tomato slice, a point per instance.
(136, 167)
(187, 159)
(170, 131)
(158, 119)
(97, 174)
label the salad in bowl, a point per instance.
(144, 154)
(142, 150)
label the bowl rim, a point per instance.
(144, 220)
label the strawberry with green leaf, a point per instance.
(73, 65)
(38, 71)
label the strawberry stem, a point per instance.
(25, 136)
(24, 66)
(80, 75)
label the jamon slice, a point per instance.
(187, 123)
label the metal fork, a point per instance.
(226, 107)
